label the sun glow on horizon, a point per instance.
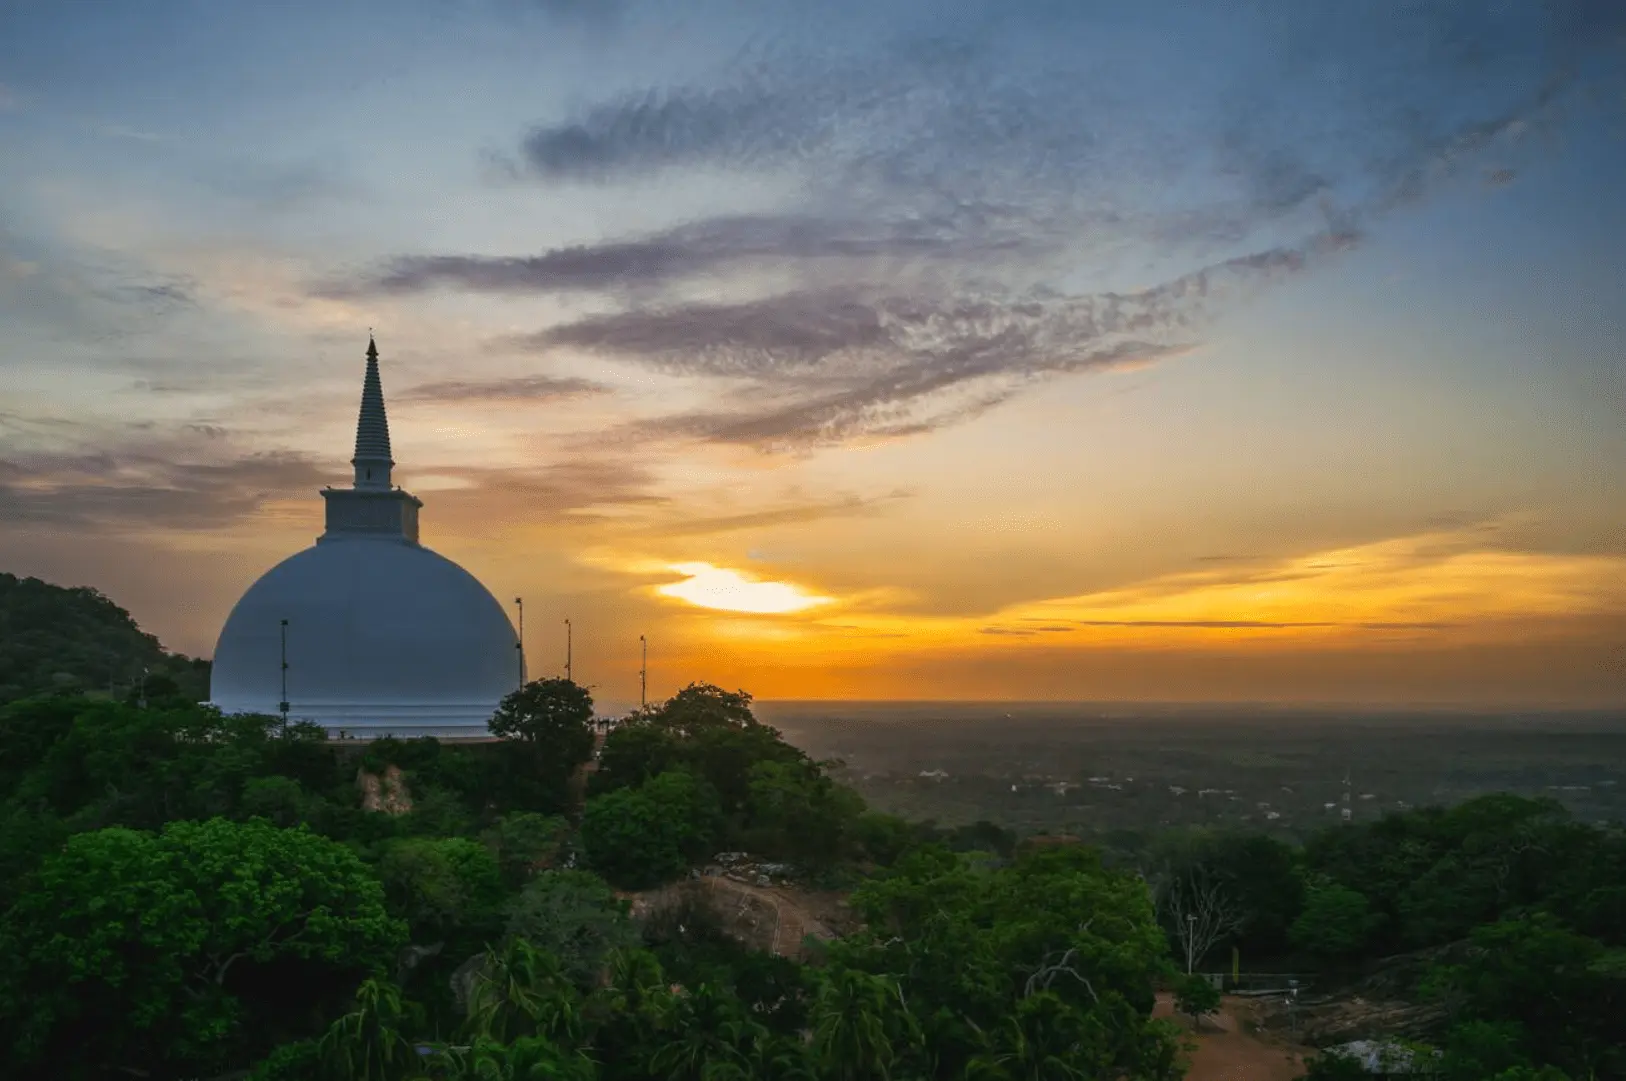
(707, 586)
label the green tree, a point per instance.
(553, 714)
(967, 943)
(860, 1029)
(641, 837)
(147, 951)
(369, 1043)
(1561, 988)
(1196, 995)
(798, 813)
(712, 1040)
(519, 991)
(442, 885)
(1332, 1066)
(632, 1013)
(575, 917)
(633, 752)
(1336, 923)
(525, 843)
(703, 706)
(53, 638)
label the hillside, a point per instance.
(54, 638)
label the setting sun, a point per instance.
(730, 591)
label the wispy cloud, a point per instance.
(531, 389)
(797, 514)
(723, 245)
(837, 365)
(134, 490)
(957, 183)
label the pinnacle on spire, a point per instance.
(372, 461)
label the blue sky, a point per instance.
(936, 310)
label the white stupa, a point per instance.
(382, 636)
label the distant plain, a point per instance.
(1117, 772)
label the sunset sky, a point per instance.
(1261, 350)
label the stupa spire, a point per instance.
(372, 461)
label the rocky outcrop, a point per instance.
(386, 791)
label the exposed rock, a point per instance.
(386, 792)
(462, 980)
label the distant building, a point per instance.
(382, 636)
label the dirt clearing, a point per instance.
(1226, 1051)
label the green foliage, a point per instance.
(799, 814)
(1335, 924)
(759, 793)
(151, 948)
(1569, 1011)
(55, 640)
(1331, 1066)
(968, 946)
(703, 707)
(860, 1025)
(187, 894)
(552, 714)
(369, 1043)
(299, 1061)
(575, 917)
(520, 991)
(642, 837)
(1196, 994)
(525, 842)
(441, 885)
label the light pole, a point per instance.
(1191, 941)
(519, 602)
(567, 650)
(283, 704)
(643, 674)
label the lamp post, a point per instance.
(567, 650)
(643, 674)
(283, 704)
(519, 602)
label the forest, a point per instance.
(187, 895)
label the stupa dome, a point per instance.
(382, 635)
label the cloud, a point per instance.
(132, 490)
(969, 197)
(713, 246)
(723, 589)
(532, 389)
(852, 506)
(833, 365)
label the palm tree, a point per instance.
(520, 991)
(859, 1025)
(367, 1043)
(713, 1041)
(1045, 1039)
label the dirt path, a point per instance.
(792, 921)
(1225, 1051)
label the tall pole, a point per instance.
(643, 674)
(1191, 941)
(567, 649)
(520, 645)
(283, 705)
